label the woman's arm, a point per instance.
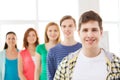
(20, 68)
(37, 67)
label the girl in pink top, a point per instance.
(27, 59)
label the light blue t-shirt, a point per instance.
(11, 70)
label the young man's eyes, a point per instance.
(64, 26)
(85, 30)
(93, 30)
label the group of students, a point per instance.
(60, 60)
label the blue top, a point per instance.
(2, 64)
(11, 72)
(56, 54)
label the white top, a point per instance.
(90, 68)
(34, 59)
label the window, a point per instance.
(52, 10)
(17, 9)
(18, 15)
(111, 23)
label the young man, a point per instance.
(68, 45)
(90, 62)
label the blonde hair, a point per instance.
(46, 39)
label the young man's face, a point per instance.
(68, 28)
(90, 34)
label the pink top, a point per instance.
(28, 65)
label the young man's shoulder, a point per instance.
(56, 47)
(116, 58)
(72, 56)
(54, 50)
(111, 56)
(61, 46)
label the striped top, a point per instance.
(56, 54)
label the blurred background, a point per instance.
(19, 15)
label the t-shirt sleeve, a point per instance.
(38, 49)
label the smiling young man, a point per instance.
(61, 50)
(90, 62)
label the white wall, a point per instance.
(85, 5)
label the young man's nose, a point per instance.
(90, 34)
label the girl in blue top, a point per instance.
(8, 58)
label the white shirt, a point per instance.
(90, 68)
(34, 59)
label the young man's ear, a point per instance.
(101, 32)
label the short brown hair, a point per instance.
(46, 36)
(25, 42)
(67, 17)
(88, 16)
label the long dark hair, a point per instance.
(6, 45)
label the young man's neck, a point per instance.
(69, 42)
(91, 52)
